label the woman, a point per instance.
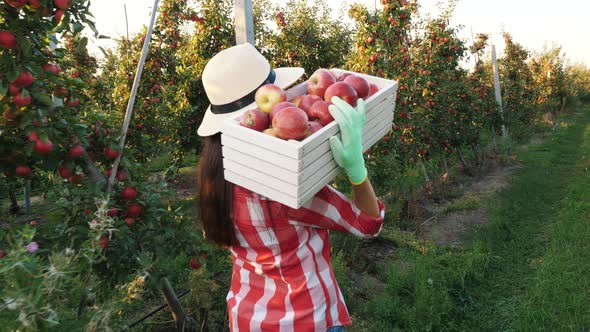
(282, 279)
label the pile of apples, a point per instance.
(303, 115)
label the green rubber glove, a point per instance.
(348, 152)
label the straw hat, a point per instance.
(231, 79)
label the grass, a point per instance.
(531, 231)
(527, 270)
(465, 203)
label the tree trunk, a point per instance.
(445, 165)
(14, 208)
(424, 172)
(463, 162)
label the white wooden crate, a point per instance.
(292, 172)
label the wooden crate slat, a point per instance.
(261, 153)
(258, 176)
(261, 189)
(379, 121)
(330, 176)
(292, 177)
(332, 128)
(326, 169)
(291, 149)
(291, 172)
(312, 156)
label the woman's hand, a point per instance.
(348, 152)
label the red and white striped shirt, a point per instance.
(282, 278)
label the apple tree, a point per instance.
(516, 81)
(306, 35)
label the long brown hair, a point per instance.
(215, 194)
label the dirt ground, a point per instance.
(450, 228)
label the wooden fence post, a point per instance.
(497, 90)
(131, 102)
(244, 22)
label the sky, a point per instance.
(532, 23)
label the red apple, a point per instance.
(42, 147)
(360, 85)
(268, 96)
(76, 179)
(270, 131)
(13, 89)
(320, 111)
(343, 77)
(22, 171)
(278, 107)
(110, 153)
(16, 3)
(319, 82)
(52, 68)
(103, 242)
(73, 102)
(342, 90)
(33, 136)
(314, 126)
(64, 172)
(2, 254)
(61, 91)
(35, 4)
(23, 80)
(112, 212)
(21, 101)
(7, 39)
(307, 101)
(129, 221)
(373, 88)
(133, 210)
(129, 193)
(194, 263)
(297, 100)
(59, 14)
(290, 123)
(254, 119)
(76, 151)
(122, 175)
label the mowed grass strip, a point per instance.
(540, 234)
(558, 297)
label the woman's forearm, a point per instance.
(363, 196)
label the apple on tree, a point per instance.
(7, 39)
(43, 147)
(129, 193)
(111, 153)
(21, 101)
(23, 171)
(23, 80)
(76, 151)
(267, 96)
(133, 210)
(64, 172)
